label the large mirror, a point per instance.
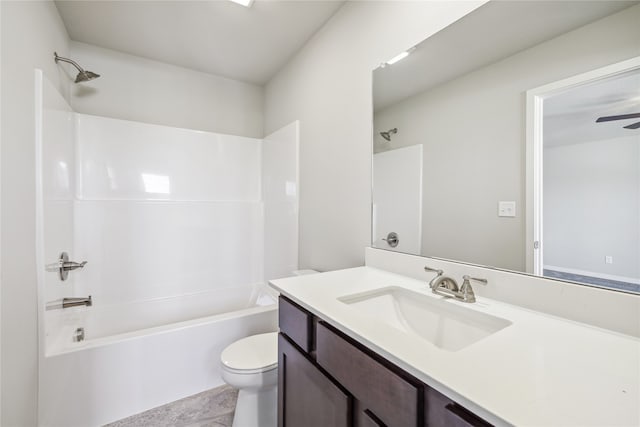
(511, 139)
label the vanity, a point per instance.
(329, 379)
(346, 360)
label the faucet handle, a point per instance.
(65, 266)
(433, 270)
(466, 279)
(466, 291)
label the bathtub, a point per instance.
(143, 354)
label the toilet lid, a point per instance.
(257, 352)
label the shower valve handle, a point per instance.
(72, 265)
(392, 239)
(65, 266)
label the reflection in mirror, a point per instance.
(450, 143)
(589, 212)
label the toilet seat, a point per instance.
(251, 355)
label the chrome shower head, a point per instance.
(83, 76)
(387, 135)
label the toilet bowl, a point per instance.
(251, 365)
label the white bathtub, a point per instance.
(140, 355)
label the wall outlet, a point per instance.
(507, 209)
(608, 259)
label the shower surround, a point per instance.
(175, 225)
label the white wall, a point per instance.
(139, 89)
(30, 33)
(592, 207)
(486, 166)
(327, 86)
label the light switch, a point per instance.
(608, 259)
(507, 209)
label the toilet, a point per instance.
(251, 365)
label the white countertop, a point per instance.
(540, 371)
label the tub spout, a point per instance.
(70, 302)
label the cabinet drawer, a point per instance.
(296, 323)
(394, 400)
(442, 411)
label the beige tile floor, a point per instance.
(212, 408)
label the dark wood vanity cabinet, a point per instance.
(327, 379)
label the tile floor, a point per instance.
(211, 408)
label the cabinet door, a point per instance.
(306, 397)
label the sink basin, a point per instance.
(446, 325)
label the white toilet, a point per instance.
(251, 365)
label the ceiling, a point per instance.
(570, 117)
(492, 32)
(216, 36)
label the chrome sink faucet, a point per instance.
(448, 287)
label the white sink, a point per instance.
(446, 325)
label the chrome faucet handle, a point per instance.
(72, 265)
(466, 279)
(433, 270)
(438, 272)
(466, 291)
(392, 239)
(65, 266)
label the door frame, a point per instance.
(534, 152)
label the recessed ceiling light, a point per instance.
(398, 58)
(246, 3)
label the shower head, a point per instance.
(83, 76)
(387, 135)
